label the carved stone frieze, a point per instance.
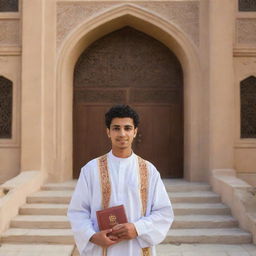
(70, 15)
(184, 14)
(10, 34)
(246, 31)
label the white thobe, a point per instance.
(125, 189)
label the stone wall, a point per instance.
(244, 67)
(210, 28)
(10, 66)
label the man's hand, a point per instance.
(102, 239)
(124, 231)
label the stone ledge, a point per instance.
(244, 52)
(18, 189)
(238, 195)
(10, 51)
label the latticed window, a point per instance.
(248, 107)
(9, 5)
(247, 5)
(5, 108)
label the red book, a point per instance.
(110, 217)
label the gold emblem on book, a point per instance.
(113, 220)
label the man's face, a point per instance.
(122, 132)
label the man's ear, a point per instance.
(108, 132)
(135, 132)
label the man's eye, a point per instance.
(115, 128)
(128, 128)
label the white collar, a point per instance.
(120, 159)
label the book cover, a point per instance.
(110, 217)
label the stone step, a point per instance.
(204, 221)
(185, 221)
(177, 185)
(212, 235)
(205, 250)
(173, 185)
(44, 209)
(69, 185)
(36, 250)
(194, 197)
(49, 236)
(40, 221)
(56, 197)
(63, 197)
(179, 209)
(203, 208)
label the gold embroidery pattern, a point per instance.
(143, 184)
(105, 182)
(105, 186)
(144, 193)
(146, 251)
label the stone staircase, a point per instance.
(200, 217)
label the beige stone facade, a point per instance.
(39, 47)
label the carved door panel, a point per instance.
(160, 139)
(129, 67)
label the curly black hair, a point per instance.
(121, 111)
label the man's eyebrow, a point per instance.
(117, 125)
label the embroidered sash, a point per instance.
(143, 170)
(106, 189)
(105, 182)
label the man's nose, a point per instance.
(122, 132)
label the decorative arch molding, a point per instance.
(184, 15)
(247, 75)
(158, 28)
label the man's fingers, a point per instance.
(107, 231)
(122, 234)
(113, 238)
(117, 227)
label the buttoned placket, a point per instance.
(118, 167)
(121, 173)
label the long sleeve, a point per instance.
(153, 227)
(79, 214)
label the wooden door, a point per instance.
(129, 67)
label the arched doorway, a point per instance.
(128, 66)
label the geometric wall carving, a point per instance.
(247, 5)
(9, 6)
(98, 96)
(248, 107)
(5, 108)
(184, 14)
(131, 67)
(10, 33)
(246, 31)
(155, 96)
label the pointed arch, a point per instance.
(160, 29)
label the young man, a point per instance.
(120, 178)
